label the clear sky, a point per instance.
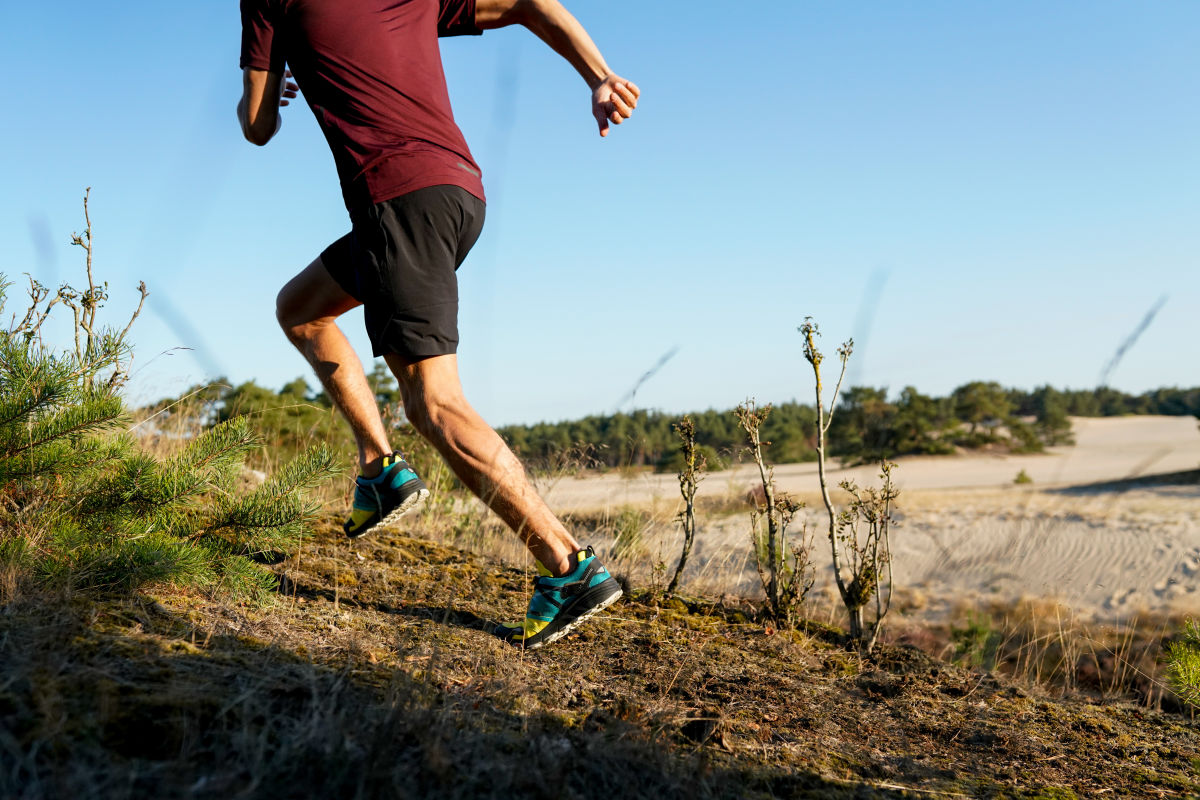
(995, 191)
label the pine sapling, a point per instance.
(80, 506)
(1183, 664)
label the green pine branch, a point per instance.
(1183, 664)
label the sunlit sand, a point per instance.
(1109, 527)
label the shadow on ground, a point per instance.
(1186, 479)
(130, 700)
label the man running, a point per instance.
(371, 72)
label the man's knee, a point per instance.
(294, 315)
(310, 302)
(294, 327)
(285, 308)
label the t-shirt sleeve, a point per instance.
(457, 18)
(262, 41)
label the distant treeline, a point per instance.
(867, 425)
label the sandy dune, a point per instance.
(1106, 449)
(1082, 532)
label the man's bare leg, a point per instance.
(435, 405)
(307, 308)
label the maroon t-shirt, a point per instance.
(372, 73)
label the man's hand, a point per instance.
(288, 89)
(614, 101)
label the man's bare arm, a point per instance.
(613, 97)
(263, 93)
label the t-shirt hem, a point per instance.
(256, 64)
(363, 199)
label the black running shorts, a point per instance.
(400, 261)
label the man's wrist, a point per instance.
(595, 83)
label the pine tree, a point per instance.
(82, 506)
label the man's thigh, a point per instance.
(407, 252)
(314, 294)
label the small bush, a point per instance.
(859, 535)
(977, 644)
(81, 506)
(1183, 664)
(691, 472)
(784, 563)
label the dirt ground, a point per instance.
(374, 675)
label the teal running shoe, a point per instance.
(384, 499)
(560, 604)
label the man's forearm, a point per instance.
(613, 97)
(555, 26)
(258, 110)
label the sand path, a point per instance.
(1081, 533)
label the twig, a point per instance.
(177, 402)
(141, 287)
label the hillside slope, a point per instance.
(374, 675)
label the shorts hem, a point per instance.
(414, 340)
(408, 354)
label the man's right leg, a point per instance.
(307, 309)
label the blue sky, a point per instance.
(973, 191)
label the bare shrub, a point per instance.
(690, 476)
(785, 571)
(859, 535)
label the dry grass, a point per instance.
(1046, 647)
(165, 432)
(374, 675)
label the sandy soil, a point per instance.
(1099, 529)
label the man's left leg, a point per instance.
(414, 244)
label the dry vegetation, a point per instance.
(373, 675)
